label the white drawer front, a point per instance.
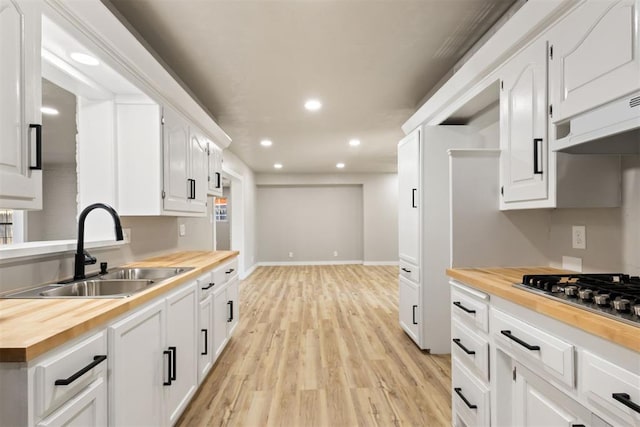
(409, 271)
(470, 310)
(63, 365)
(470, 397)
(470, 348)
(534, 348)
(205, 285)
(601, 379)
(231, 268)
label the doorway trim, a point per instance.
(236, 196)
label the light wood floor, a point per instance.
(321, 346)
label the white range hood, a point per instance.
(613, 128)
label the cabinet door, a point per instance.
(182, 327)
(220, 320)
(595, 56)
(177, 187)
(199, 171)
(215, 170)
(205, 340)
(409, 197)
(233, 305)
(138, 368)
(523, 126)
(87, 408)
(538, 403)
(409, 308)
(20, 92)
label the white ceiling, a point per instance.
(253, 63)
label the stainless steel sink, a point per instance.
(159, 273)
(98, 288)
(118, 283)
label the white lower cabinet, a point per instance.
(225, 314)
(205, 348)
(87, 408)
(408, 308)
(182, 324)
(529, 370)
(154, 361)
(538, 403)
(138, 367)
(65, 387)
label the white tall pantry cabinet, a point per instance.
(423, 230)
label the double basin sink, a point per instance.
(118, 283)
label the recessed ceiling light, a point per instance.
(313, 105)
(340, 165)
(84, 58)
(278, 165)
(354, 142)
(266, 143)
(49, 111)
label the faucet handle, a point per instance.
(88, 259)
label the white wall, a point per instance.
(613, 235)
(310, 223)
(380, 207)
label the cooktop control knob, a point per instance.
(602, 299)
(622, 304)
(585, 294)
(571, 291)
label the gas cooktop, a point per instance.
(613, 295)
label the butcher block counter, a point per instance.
(31, 327)
(499, 281)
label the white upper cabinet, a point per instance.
(215, 170)
(20, 92)
(596, 56)
(409, 197)
(162, 161)
(523, 125)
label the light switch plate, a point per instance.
(182, 230)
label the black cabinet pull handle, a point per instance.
(167, 353)
(578, 425)
(625, 399)
(206, 345)
(211, 285)
(508, 334)
(230, 304)
(218, 179)
(230, 271)
(459, 344)
(414, 314)
(193, 183)
(96, 361)
(174, 362)
(413, 197)
(406, 270)
(38, 129)
(458, 391)
(537, 166)
(462, 307)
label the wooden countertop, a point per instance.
(31, 327)
(499, 281)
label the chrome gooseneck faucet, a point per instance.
(82, 257)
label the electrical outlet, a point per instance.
(182, 230)
(579, 237)
(290, 254)
(335, 253)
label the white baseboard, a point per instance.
(248, 272)
(381, 263)
(293, 263)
